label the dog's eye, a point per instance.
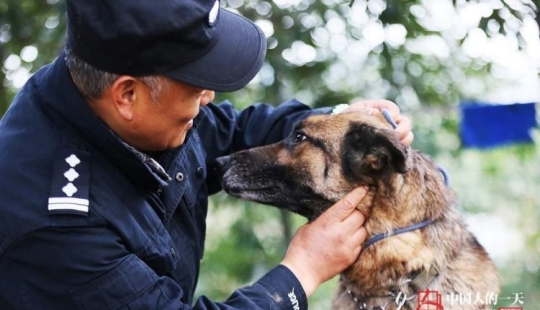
(299, 137)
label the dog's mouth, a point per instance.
(269, 195)
(242, 192)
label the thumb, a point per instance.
(343, 208)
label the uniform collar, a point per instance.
(57, 91)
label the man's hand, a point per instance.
(324, 248)
(404, 126)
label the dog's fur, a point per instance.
(327, 156)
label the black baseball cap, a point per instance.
(192, 41)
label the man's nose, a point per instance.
(207, 97)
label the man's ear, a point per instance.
(124, 96)
(371, 151)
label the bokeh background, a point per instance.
(428, 56)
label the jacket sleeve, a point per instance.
(90, 268)
(226, 130)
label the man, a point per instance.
(104, 187)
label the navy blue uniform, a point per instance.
(86, 222)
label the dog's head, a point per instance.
(324, 158)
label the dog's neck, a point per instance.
(398, 231)
(419, 196)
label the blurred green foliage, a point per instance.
(332, 51)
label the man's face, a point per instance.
(164, 123)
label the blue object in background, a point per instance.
(486, 125)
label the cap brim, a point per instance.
(232, 62)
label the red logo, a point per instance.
(430, 300)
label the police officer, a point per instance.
(104, 182)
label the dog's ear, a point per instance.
(368, 151)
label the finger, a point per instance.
(358, 238)
(357, 250)
(362, 234)
(380, 104)
(343, 208)
(404, 126)
(408, 140)
(404, 130)
(355, 219)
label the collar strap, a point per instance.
(398, 231)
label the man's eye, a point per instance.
(299, 137)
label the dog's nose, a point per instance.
(222, 161)
(217, 167)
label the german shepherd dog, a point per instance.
(419, 253)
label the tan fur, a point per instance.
(344, 151)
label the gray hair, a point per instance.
(92, 82)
